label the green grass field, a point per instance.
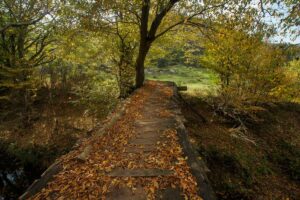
(200, 81)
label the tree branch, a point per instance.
(27, 23)
(188, 19)
(158, 18)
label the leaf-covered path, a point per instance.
(139, 157)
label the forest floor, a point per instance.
(26, 152)
(139, 157)
(261, 163)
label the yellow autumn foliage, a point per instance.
(251, 70)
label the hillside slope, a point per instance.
(263, 163)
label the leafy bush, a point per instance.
(251, 71)
(290, 87)
(162, 62)
(99, 94)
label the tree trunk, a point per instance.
(148, 36)
(144, 45)
(139, 65)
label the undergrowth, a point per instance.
(261, 162)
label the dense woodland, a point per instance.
(65, 65)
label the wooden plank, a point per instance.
(148, 134)
(144, 141)
(125, 193)
(170, 194)
(119, 172)
(161, 122)
(144, 149)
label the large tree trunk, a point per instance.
(139, 65)
(144, 45)
(148, 36)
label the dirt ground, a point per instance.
(262, 163)
(25, 152)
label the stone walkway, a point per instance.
(149, 134)
(140, 157)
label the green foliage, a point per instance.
(124, 64)
(229, 56)
(162, 62)
(289, 90)
(251, 71)
(99, 94)
(200, 81)
(25, 39)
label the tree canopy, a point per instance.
(67, 39)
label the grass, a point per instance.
(200, 81)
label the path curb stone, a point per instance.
(198, 167)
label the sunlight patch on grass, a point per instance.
(200, 81)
